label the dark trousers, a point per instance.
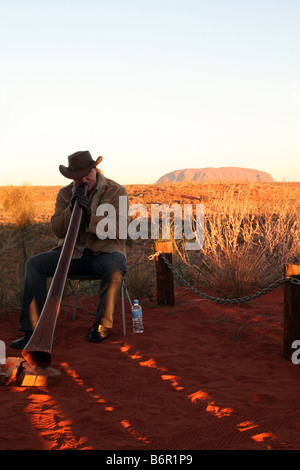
(110, 267)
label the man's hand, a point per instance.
(83, 202)
(77, 192)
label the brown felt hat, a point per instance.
(80, 164)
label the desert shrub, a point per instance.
(35, 238)
(140, 282)
(10, 251)
(246, 243)
(19, 204)
(20, 238)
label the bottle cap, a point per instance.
(135, 301)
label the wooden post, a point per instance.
(164, 275)
(291, 310)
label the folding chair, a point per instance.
(124, 293)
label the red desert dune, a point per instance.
(202, 376)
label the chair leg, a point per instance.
(127, 295)
(124, 292)
(123, 308)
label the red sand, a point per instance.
(202, 376)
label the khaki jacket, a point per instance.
(105, 192)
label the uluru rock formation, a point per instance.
(229, 174)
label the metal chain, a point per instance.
(210, 297)
(134, 266)
(149, 258)
(229, 301)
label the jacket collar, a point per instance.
(101, 184)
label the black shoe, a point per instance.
(21, 342)
(97, 334)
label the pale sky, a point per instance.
(152, 86)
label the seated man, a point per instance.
(105, 257)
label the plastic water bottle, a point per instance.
(137, 317)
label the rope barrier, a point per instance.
(207, 296)
(230, 301)
(210, 297)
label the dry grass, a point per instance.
(20, 237)
(251, 230)
(247, 241)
